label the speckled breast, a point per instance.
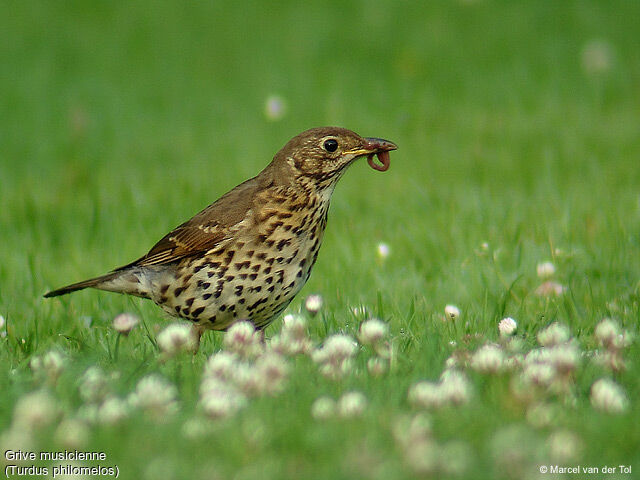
(256, 275)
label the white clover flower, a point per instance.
(537, 355)
(336, 371)
(597, 57)
(606, 331)
(423, 457)
(564, 446)
(336, 348)
(352, 404)
(112, 411)
(408, 430)
(213, 384)
(221, 365)
(177, 338)
(372, 332)
(452, 312)
(383, 251)
(50, 365)
(155, 395)
(272, 371)
(220, 400)
(35, 410)
(53, 362)
(323, 408)
(507, 327)
(541, 415)
(554, 334)
(35, 364)
(72, 434)
(335, 356)
(426, 395)
(294, 326)
(285, 345)
(609, 335)
(275, 108)
(242, 332)
(125, 322)
(545, 270)
(564, 357)
(279, 344)
(550, 288)
(293, 338)
(313, 304)
(608, 396)
(3, 323)
(93, 385)
(455, 387)
(377, 366)
(245, 378)
(542, 374)
(488, 359)
(243, 339)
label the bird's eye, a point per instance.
(331, 145)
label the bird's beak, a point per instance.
(376, 147)
(373, 146)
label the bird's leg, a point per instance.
(197, 331)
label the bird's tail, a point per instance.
(121, 281)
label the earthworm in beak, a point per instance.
(380, 148)
(384, 159)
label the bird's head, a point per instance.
(322, 154)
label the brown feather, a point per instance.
(210, 228)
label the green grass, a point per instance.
(119, 121)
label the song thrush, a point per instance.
(249, 253)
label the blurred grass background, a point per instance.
(517, 124)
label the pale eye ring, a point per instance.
(330, 145)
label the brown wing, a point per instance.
(209, 228)
(187, 239)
